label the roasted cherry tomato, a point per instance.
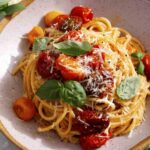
(89, 142)
(69, 68)
(71, 23)
(97, 57)
(58, 21)
(146, 61)
(46, 66)
(73, 35)
(90, 122)
(84, 12)
(24, 108)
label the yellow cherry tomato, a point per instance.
(50, 16)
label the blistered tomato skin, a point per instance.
(90, 142)
(46, 66)
(84, 12)
(89, 122)
(73, 35)
(71, 23)
(146, 61)
(58, 21)
(97, 57)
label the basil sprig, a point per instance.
(40, 43)
(147, 147)
(3, 2)
(70, 92)
(73, 48)
(50, 90)
(137, 55)
(140, 66)
(8, 10)
(128, 88)
(73, 93)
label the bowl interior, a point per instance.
(131, 15)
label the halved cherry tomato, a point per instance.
(146, 61)
(84, 12)
(73, 35)
(58, 21)
(24, 108)
(69, 68)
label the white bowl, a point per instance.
(133, 15)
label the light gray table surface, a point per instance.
(5, 144)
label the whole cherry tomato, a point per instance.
(146, 61)
(92, 141)
(46, 66)
(73, 35)
(58, 21)
(71, 23)
(84, 12)
(24, 108)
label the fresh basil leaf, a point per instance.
(40, 43)
(128, 88)
(13, 8)
(147, 147)
(3, 6)
(73, 48)
(73, 93)
(2, 14)
(140, 68)
(50, 90)
(3, 2)
(137, 55)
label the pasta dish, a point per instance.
(83, 78)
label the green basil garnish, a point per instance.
(70, 92)
(137, 55)
(11, 9)
(3, 2)
(40, 43)
(73, 93)
(73, 48)
(140, 68)
(128, 88)
(147, 147)
(50, 90)
(3, 6)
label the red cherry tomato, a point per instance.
(46, 66)
(24, 108)
(90, 122)
(146, 61)
(97, 57)
(84, 12)
(58, 21)
(89, 142)
(71, 23)
(73, 35)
